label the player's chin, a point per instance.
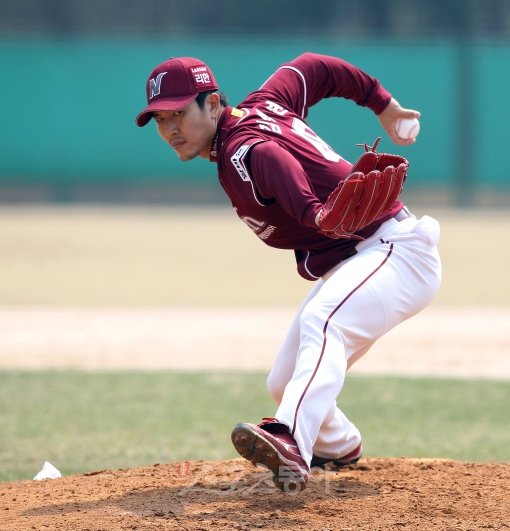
(185, 154)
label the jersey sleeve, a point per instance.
(306, 80)
(279, 176)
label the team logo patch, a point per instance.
(155, 85)
(237, 112)
(237, 160)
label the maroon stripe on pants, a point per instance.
(324, 332)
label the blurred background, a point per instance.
(72, 80)
(114, 255)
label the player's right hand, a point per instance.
(389, 118)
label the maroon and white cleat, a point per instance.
(349, 459)
(271, 445)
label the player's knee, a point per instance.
(312, 318)
(275, 387)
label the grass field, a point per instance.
(83, 422)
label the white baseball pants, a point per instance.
(395, 274)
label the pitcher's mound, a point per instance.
(376, 494)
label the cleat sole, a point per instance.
(262, 453)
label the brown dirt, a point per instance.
(377, 494)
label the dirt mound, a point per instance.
(377, 494)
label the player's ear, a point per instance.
(214, 103)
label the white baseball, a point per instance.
(407, 128)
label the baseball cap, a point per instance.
(175, 83)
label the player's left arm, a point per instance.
(368, 192)
(292, 189)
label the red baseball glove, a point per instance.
(370, 189)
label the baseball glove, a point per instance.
(370, 189)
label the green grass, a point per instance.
(82, 422)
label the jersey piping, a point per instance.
(305, 265)
(302, 77)
(325, 330)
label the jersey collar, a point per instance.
(228, 113)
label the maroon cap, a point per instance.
(175, 83)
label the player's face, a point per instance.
(189, 131)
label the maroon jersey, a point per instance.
(277, 172)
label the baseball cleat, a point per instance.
(349, 459)
(271, 445)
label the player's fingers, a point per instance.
(411, 113)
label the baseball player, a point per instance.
(372, 262)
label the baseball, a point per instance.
(407, 128)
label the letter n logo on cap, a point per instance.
(155, 85)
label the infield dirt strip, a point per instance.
(441, 341)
